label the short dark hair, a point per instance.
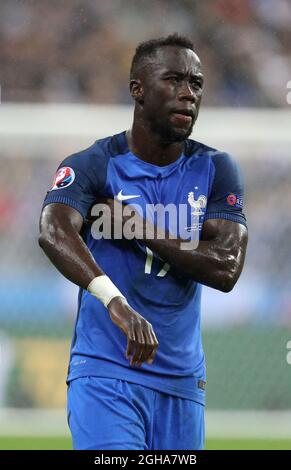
(148, 48)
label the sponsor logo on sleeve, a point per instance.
(235, 200)
(64, 178)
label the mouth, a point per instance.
(183, 115)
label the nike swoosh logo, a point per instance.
(123, 197)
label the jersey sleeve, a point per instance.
(226, 196)
(78, 180)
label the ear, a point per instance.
(137, 91)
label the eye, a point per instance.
(197, 87)
(172, 78)
(196, 84)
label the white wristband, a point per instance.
(104, 289)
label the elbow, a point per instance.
(229, 274)
(52, 239)
(41, 241)
(227, 284)
(45, 241)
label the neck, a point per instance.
(149, 146)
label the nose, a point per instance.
(186, 92)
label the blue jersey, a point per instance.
(208, 183)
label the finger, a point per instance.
(148, 347)
(154, 348)
(130, 348)
(139, 347)
(130, 345)
(152, 356)
(148, 350)
(137, 357)
(150, 343)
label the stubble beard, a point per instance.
(167, 133)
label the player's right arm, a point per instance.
(60, 239)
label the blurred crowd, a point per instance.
(80, 50)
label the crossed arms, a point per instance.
(216, 262)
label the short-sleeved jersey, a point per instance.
(205, 181)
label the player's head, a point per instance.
(166, 83)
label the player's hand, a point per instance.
(142, 342)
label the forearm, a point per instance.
(209, 263)
(69, 254)
(60, 226)
(216, 261)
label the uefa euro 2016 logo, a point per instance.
(64, 177)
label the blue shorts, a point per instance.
(106, 414)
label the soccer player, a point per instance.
(136, 377)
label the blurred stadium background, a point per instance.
(63, 75)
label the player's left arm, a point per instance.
(219, 258)
(216, 262)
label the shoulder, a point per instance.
(194, 148)
(98, 154)
(220, 160)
